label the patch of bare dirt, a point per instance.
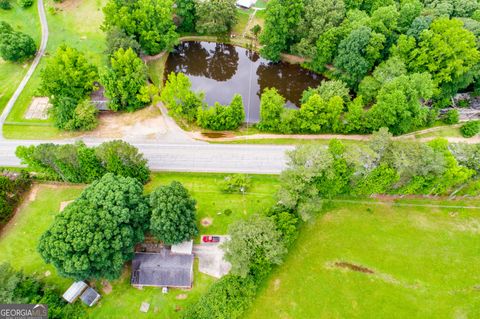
(207, 221)
(146, 123)
(181, 296)
(64, 204)
(353, 267)
(67, 4)
(276, 284)
(106, 287)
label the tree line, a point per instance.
(12, 187)
(403, 60)
(314, 176)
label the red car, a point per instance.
(210, 239)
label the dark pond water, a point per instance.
(222, 70)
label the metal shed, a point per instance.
(74, 291)
(90, 297)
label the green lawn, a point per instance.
(19, 240)
(424, 262)
(75, 24)
(243, 16)
(24, 20)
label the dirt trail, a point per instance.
(228, 137)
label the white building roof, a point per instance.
(246, 3)
(74, 291)
(183, 248)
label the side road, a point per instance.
(36, 61)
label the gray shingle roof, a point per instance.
(164, 269)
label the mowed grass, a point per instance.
(424, 263)
(212, 202)
(19, 241)
(77, 24)
(26, 21)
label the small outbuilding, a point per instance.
(90, 297)
(246, 3)
(183, 248)
(74, 291)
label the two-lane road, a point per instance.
(254, 159)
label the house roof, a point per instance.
(74, 291)
(164, 269)
(185, 247)
(90, 297)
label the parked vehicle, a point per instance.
(210, 239)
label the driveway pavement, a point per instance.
(211, 262)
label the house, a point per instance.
(74, 291)
(90, 297)
(246, 3)
(163, 269)
(185, 248)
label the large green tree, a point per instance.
(120, 158)
(318, 17)
(15, 45)
(254, 246)
(272, 105)
(125, 82)
(215, 16)
(449, 53)
(186, 11)
(68, 74)
(149, 21)
(399, 104)
(173, 214)
(177, 94)
(280, 31)
(358, 53)
(95, 235)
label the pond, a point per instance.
(222, 70)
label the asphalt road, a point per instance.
(253, 159)
(175, 153)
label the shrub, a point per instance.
(470, 128)
(5, 4)
(14, 45)
(222, 117)
(25, 3)
(451, 117)
(228, 298)
(237, 183)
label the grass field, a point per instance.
(24, 20)
(75, 23)
(364, 260)
(19, 240)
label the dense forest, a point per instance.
(403, 60)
